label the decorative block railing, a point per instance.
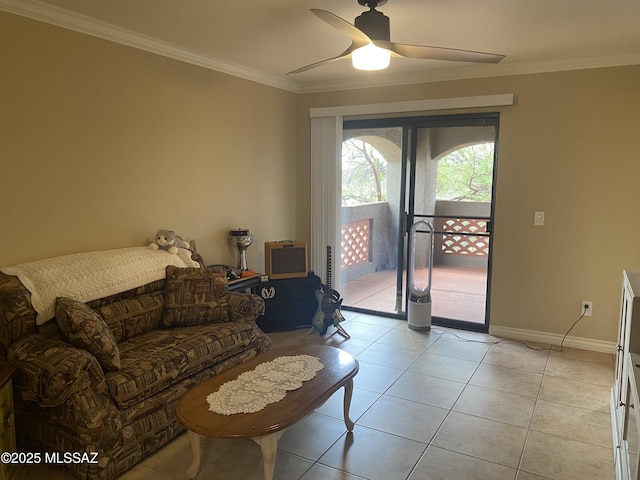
(461, 237)
(355, 242)
(456, 236)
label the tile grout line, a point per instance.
(533, 412)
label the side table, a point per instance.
(247, 283)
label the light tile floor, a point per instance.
(436, 405)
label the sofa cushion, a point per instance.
(130, 317)
(51, 370)
(195, 296)
(245, 305)
(155, 360)
(84, 328)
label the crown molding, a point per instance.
(89, 26)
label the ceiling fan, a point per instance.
(371, 47)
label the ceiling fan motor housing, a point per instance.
(374, 24)
(372, 3)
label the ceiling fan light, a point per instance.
(370, 57)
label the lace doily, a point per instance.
(265, 384)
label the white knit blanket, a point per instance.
(92, 275)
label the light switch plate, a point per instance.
(538, 219)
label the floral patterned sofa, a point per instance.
(105, 373)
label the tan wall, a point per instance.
(570, 146)
(102, 144)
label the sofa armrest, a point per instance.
(246, 305)
(50, 370)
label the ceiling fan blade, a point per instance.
(439, 53)
(346, 53)
(355, 34)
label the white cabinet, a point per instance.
(625, 406)
(631, 432)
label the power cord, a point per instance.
(495, 342)
(584, 312)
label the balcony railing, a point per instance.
(354, 240)
(459, 238)
(463, 236)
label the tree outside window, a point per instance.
(463, 175)
(466, 174)
(364, 173)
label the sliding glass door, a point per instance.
(401, 170)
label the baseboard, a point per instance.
(553, 339)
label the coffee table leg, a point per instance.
(348, 393)
(196, 450)
(269, 447)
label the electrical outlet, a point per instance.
(587, 308)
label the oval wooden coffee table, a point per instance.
(266, 426)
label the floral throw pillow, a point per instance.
(195, 296)
(84, 328)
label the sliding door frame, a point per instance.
(411, 125)
(325, 155)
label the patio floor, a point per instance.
(457, 293)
